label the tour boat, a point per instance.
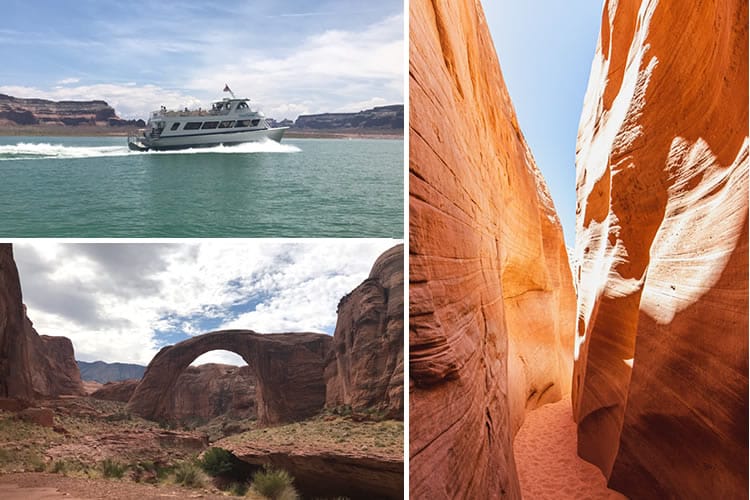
(228, 122)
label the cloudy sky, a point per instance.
(545, 54)
(289, 56)
(123, 302)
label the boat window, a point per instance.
(227, 124)
(210, 125)
(242, 123)
(175, 125)
(242, 105)
(192, 125)
(256, 122)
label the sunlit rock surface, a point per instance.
(491, 296)
(660, 382)
(365, 366)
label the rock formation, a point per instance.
(15, 368)
(288, 368)
(660, 388)
(200, 393)
(210, 390)
(117, 391)
(381, 117)
(365, 369)
(18, 111)
(491, 295)
(30, 365)
(54, 369)
(102, 372)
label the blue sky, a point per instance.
(290, 57)
(545, 52)
(124, 301)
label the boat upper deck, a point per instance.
(225, 107)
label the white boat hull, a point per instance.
(205, 140)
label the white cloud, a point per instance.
(68, 81)
(110, 300)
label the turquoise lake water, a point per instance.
(87, 187)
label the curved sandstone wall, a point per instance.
(660, 378)
(492, 302)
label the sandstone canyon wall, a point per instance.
(660, 380)
(31, 365)
(365, 367)
(492, 304)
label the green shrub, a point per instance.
(217, 462)
(188, 474)
(110, 468)
(275, 484)
(238, 489)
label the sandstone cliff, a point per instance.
(15, 368)
(18, 111)
(365, 368)
(381, 117)
(30, 365)
(660, 380)
(491, 295)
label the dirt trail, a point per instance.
(44, 486)
(546, 460)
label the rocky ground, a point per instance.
(78, 446)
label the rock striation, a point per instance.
(660, 388)
(380, 117)
(492, 301)
(19, 111)
(31, 365)
(365, 368)
(288, 368)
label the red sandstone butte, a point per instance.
(365, 367)
(660, 388)
(492, 304)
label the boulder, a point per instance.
(366, 363)
(288, 368)
(660, 388)
(492, 303)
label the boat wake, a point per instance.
(41, 151)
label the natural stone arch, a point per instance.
(289, 368)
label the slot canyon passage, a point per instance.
(623, 374)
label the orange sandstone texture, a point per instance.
(660, 379)
(492, 302)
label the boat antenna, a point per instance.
(227, 89)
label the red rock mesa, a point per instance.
(492, 302)
(660, 380)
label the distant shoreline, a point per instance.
(94, 131)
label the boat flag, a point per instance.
(227, 89)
